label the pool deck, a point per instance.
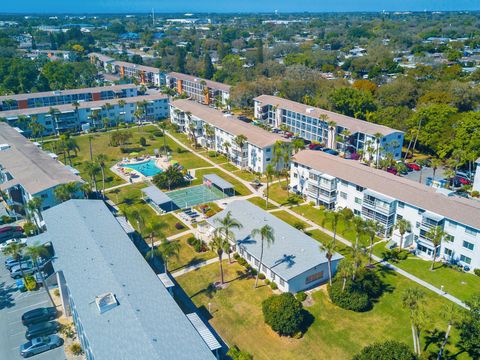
(161, 163)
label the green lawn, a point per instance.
(278, 192)
(214, 208)
(260, 202)
(229, 167)
(218, 159)
(289, 218)
(459, 284)
(247, 175)
(129, 198)
(334, 334)
(323, 238)
(239, 187)
(187, 256)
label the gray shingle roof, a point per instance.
(292, 253)
(97, 257)
(30, 166)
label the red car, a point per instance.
(414, 166)
(392, 170)
(463, 181)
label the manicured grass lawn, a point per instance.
(261, 203)
(214, 208)
(129, 198)
(323, 238)
(334, 334)
(289, 218)
(459, 284)
(247, 175)
(278, 193)
(229, 167)
(239, 187)
(187, 256)
(218, 159)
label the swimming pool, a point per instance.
(146, 168)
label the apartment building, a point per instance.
(198, 89)
(26, 172)
(143, 74)
(383, 197)
(334, 130)
(293, 261)
(64, 97)
(91, 114)
(194, 119)
(120, 307)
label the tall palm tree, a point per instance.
(412, 300)
(101, 160)
(357, 225)
(15, 250)
(378, 136)
(402, 225)
(139, 219)
(92, 169)
(53, 112)
(436, 235)
(436, 163)
(76, 105)
(297, 145)
(240, 141)
(163, 126)
(209, 134)
(169, 249)
(266, 234)
(219, 245)
(226, 225)
(64, 192)
(192, 129)
(121, 104)
(333, 217)
(227, 146)
(372, 228)
(34, 207)
(345, 270)
(37, 251)
(451, 314)
(329, 249)
(269, 173)
(332, 126)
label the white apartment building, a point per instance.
(335, 131)
(91, 114)
(378, 195)
(198, 89)
(258, 150)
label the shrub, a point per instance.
(212, 153)
(242, 262)
(261, 276)
(301, 296)
(197, 246)
(267, 282)
(143, 141)
(30, 283)
(402, 255)
(236, 256)
(67, 330)
(179, 150)
(76, 349)
(191, 240)
(235, 354)
(299, 225)
(390, 349)
(209, 213)
(475, 193)
(477, 272)
(348, 299)
(157, 133)
(56, 292)
(253, 271)
(273, 285)
(283, 313)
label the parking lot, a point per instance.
(13, 304)
(424, 173)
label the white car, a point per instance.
(8, 242)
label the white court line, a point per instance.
(28, 306)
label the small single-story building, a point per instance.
(293, 261)
(158, 199)
(216, 181)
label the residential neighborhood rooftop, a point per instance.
(461, 210)
(211, 84)
(30, 166)
(97, 257)
(292, 253)
(229, 123)
(352, 124)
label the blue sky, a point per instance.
(111, 6)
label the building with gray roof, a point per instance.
(120, 307)
(293, 261)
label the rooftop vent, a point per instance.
(106, 302)
(310, 110)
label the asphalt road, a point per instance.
(13, 304)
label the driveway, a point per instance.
(13, 304)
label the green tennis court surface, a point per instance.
(195, 195)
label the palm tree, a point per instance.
(345, 270)
(169, 249)
(240, 141)
(297, 145)
(402, 226)
(451, 314)
(227, 145)
(372, 228)
(64, 192)
(95, 116)
(436, 235)
(329, 249)
(345, 134)
(101, 160)
(34, 206)
(209, 134)
(357, 225)
(436, 163)
(92, 169)
(219, 245)
(269, 173)
(378, 136)
(193, 133)
(138, 217)
(332, 126)
(227, 224)
(333, 217)
(266, 234)
(53, 112)
(163, 126)
(412, 299)
(76, 105)
(154, 230)
(121, 104)
(15, 250)
(37, 251)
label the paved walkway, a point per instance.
(117, 187)
(194, 267)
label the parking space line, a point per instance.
(28, 306)
(18, 333)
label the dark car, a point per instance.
(10, 232)
(40, 345)
(330, 151)
(42, 329)
(38, 315)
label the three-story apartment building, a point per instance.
(383, 197)
(335, 131)
(196, 119)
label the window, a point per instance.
(465, 259)
(470, 231)
(359, 188)
(448, 252)
(249, 257)
(399, 217)
(356, 212)
(401, 205)
(417, 225)
(282, 282)
(257, 263)
(468, 245)
(314, 277)
(358, 200)
(343, 195)
(273, 275)
(452, 225)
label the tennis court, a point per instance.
(195, 195)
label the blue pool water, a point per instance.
(146, 168)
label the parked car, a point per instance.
(464, 175)
(42, 329)
(19, 271)
(8, 242)
(330, 151)
(392, 170)
(462, 180)
(10, 232)
(413, 166)
(38, 315)
(40, 345)
(11, 262)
